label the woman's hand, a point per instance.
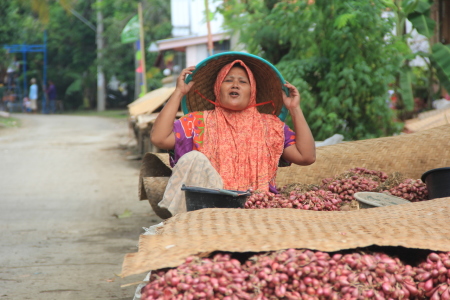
(293, 100)
(304, 151)
(162, 135)
(182, 87)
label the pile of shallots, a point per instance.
(411, 189)
(334, 193)
(319, 200)
(303, 274)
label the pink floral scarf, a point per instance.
(243, 146)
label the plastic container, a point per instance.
(438, 182)
(198, 198)
(371, 199)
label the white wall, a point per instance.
(417, 43)
(188, 17)
(195, 54)
(180, 17)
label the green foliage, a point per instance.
(157, 25)
(422, 7)
(420, 82)
(72, 52)
(9, 122)
(405, 84)
(16, 25)
(110, 113)
(251, 19)
(418, 13)
(441, 61)
(409, 6)
(339, 56)
(420, 19)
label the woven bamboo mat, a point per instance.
(153, 165)
(422, 225)
(433, 112)
(439, 118)
(410, 154)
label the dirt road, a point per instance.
(63, 182)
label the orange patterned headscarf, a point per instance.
(243, 146)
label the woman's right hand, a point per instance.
(182, 87)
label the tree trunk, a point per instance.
(100, 75)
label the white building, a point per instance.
(189, 19)
(190, 33)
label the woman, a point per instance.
(235, 146)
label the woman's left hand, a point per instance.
(293, 100)
(304, 151)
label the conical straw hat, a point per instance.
(269, 83)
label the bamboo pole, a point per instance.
(141, 34)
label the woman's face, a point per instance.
(235, 90)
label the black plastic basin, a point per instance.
(438, 182)
(199, 198)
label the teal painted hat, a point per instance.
(269, 83)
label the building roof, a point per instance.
(192, 40)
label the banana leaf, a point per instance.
(74, 87)
(423, 7)
(409, 6)
(422, 23)
(390, 4)
(440, 58)
(406, 88)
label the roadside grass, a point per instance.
(113, 113)
(9, 122)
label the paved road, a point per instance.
(63, 181)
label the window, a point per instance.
(221, 46)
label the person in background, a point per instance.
(51, 96)
(59, 106)
(11, 72)
(26, 105)
(9, 99)
(2, 93)
(33, 95)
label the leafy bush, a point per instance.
(340, 58)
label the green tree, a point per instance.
(119, 57)
(72, 54)
(250, 19)
(17, 25)
(340, 57)
(66, 41)
(72, 60)
(42, 7)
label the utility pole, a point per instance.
(208, 24)
(100, 75)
